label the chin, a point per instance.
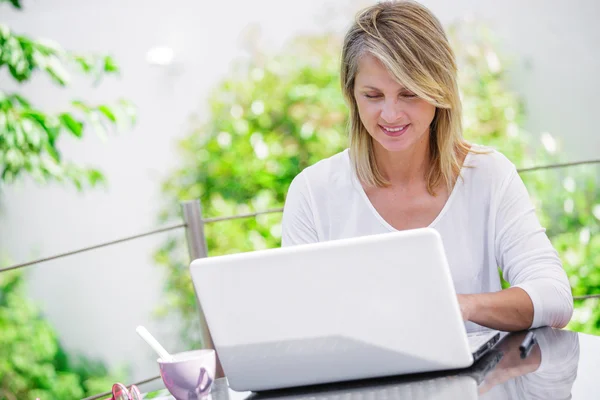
(395, 145)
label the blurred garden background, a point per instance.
(136, 106)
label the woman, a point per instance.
(408, 167)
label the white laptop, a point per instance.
(372, 306)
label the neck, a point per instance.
(404, 167)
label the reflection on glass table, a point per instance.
(548, 372)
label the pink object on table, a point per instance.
(190, 374)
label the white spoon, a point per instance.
(143, 332)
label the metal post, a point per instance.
(196, 241)
(194, 229)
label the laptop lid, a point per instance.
(333, 311)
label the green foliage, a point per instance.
(275, 115)
(29, 137)
(33, 363)
(14, 3)
(567, 200)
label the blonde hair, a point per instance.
(410, 41)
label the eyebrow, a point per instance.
(379, 90)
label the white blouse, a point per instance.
(487, 222)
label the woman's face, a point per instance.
(396, 118)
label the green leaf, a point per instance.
(108, 113)
(52, 127)
(110, 66)
(14, 158)
(28, 133)
(81, 105)
(16, 4)
(3, 124)
(95, 177)
(84, 63)
(20, 100)
(53, 152)
(4, 33)
(49, 47)
(34, 115)
(57, 71)
(71, 124)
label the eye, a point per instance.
(409, 95)
(372, 96)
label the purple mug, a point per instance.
(189, 376)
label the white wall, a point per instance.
(555, 47)
(96, 299)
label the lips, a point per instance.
(394, 131)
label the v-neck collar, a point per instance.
(357, 185)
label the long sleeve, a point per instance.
(298, 225)
(527, 258)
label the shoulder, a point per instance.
(488, 163)
(309, 195)
(487, 172)
(325, 173)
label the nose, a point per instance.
(391, 111)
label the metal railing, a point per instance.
(98, 246)
(197, 248)
(555, 166)
(194, 223)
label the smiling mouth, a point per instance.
(394, 130)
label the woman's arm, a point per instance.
(540, 294)
(507, 310)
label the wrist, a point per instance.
(472, 302)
